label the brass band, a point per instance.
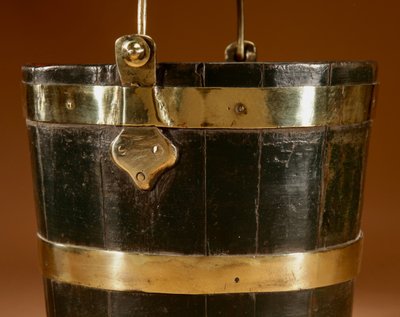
(199, 107)
(181, 274)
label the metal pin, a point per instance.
(240, 53)
(142, 17)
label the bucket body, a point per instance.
(285, 183)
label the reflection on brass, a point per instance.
(144, 153)
(181, 274)
(136, 60)
(198, 107)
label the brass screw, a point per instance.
(136, 52)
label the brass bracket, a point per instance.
(144, 153)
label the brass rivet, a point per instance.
(70, 105)
(157, 149)
(136, 52)
(140, 177)
(240, 109)
(121, 150)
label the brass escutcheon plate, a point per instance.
(144, 153)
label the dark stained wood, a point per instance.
(307, 74)
(346, 151)
(183, 74)
(71, 74)
(76, 301)
(155, 305)
(233, 305)
(237, 74)
(262, 194)
(169, 218)
(215, 74)
(345, 73)
(49, 297)
(290, 185)
(285, 304)
(37, 175)
(333, 301)
(71, 184)
(231, 190)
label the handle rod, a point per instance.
(142, 17)
(240, 54)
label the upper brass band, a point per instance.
(199, 107)
(183, 274)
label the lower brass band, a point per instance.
(183, 274)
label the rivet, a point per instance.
(156, 149)
(136, 52)
(140, 177)
(121, 150)
(70, 105)
(240, 109)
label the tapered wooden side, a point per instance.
(69, 300)
(242, 192)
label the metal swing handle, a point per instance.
(239, 51)
(136, 54)
(142, 17)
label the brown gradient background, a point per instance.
(45, 31)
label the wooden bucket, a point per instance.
(223, 189)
